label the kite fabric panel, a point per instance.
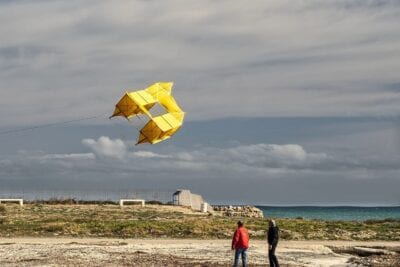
(158, 128)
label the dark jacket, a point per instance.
(273, 235)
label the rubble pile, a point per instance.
(238, 211)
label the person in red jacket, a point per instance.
(240, 243)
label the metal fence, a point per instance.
(164, 196)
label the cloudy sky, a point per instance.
(288, 102)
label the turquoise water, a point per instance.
(332, 213)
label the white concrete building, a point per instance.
(183, 197)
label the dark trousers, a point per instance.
(273, 260)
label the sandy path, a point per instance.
(165, 252)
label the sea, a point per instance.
(339, 213)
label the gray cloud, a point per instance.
(64, 60)
(394, 87)
(256, 173)
(259, 56)
(258, 160)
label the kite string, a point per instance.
(4, 132)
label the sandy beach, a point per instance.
(177, 252)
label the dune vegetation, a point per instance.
(163, 221)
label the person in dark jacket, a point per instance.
(240, 243)
(273, 237)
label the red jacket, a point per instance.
(240, 238)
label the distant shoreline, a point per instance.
(306, 212)
(333, 213)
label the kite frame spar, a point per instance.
(158, 128)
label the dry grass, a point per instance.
(104, 220)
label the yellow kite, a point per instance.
(158, 128)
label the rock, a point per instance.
(239, 211)
(361, 251)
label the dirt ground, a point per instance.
(176, 252)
